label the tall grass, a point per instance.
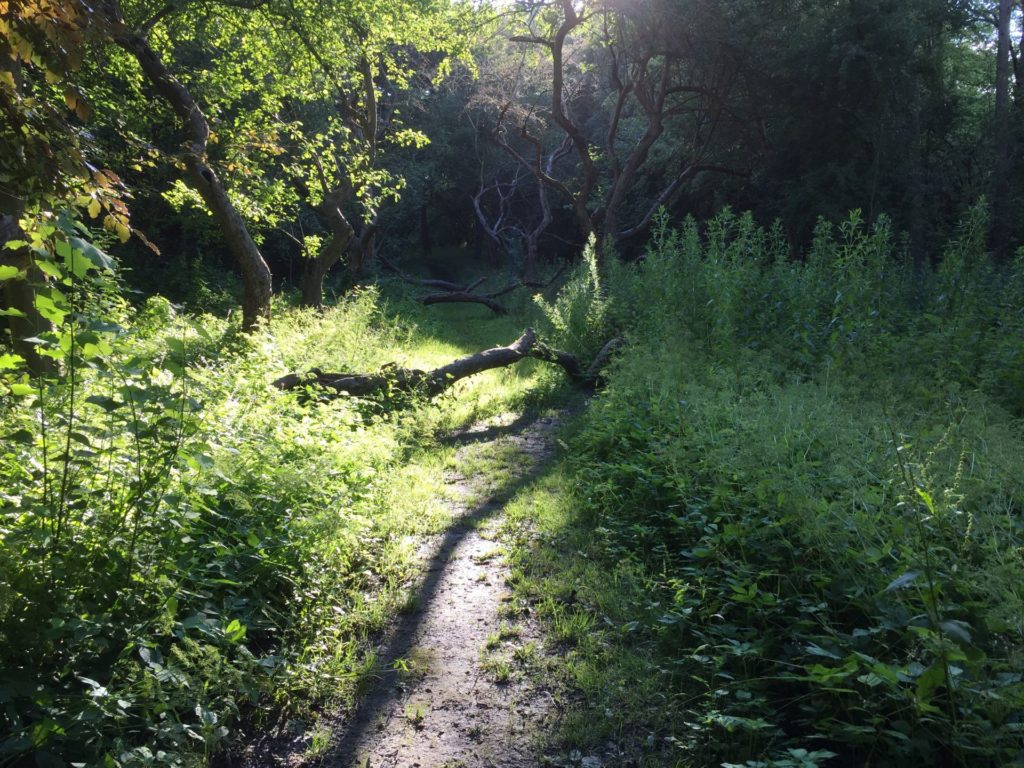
(806, 475)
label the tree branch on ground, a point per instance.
(391, 379)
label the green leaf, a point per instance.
(7, 272)
(23, 436)
(928, 682)
(927, 499)
(151, 657)
(49, 268)
(235, 631)
(96, 257)
(48, 309)
(817, 650)
(10, 362)
(106, 403)
(957, 629)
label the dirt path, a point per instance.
(451, 697)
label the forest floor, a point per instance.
(452, 688)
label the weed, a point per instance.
(415, 714)
(319, 744)
(180, 543)
(527, 654)
(497, 667)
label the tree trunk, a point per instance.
(529, 275)
(256, 276)
(426, 241)
(315, 270)
(342, 234)
(20, 295)
(1000, 233)
(360, 253)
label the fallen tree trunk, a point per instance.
(462, 298)
(391, 379)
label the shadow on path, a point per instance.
(472, 435)
(367, 722)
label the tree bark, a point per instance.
(1000, 232)
(426, 241)
(315, 270)
(361, 253)
(432, 383)
(256, 276)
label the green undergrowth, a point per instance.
(790, 531)
(184, 549)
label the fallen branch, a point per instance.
(441, 285)
(488, 299)
(392, 379)
(596, 368)
(464, 297)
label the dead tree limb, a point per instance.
(596, 368)
(488, 299)
(452, 297)
(392, 379)
(441, 285)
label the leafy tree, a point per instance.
(134, 38)
(302, 96)
(44, 156)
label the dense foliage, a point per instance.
(802, 491)
(798, 498)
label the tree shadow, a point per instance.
(471, 435)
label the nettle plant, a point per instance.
(90, 452)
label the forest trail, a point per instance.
(448, 697)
